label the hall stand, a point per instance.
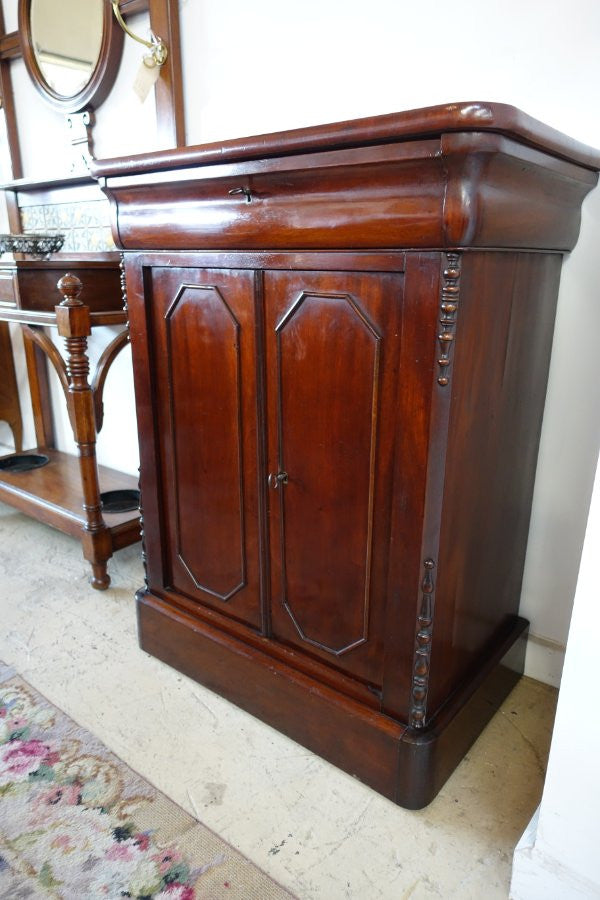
(96, 504)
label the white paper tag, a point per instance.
(145, 79)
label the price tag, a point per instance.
(146, 78)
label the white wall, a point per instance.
(267, 65)
(123, 124)
(558, 857)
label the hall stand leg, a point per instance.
(39, 389)
(73, 321)
(10, 409)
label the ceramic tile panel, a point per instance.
(85, 224)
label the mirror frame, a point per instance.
(102, 78)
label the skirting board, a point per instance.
(409, 766)
(544, 660)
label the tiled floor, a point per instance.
(316, 830)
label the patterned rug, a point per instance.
(76, 823)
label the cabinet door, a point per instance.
(332, 348)
(203, 346)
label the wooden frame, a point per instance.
(103, 75)
(164, 20)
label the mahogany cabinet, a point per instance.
(341, 339)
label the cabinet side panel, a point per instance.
(498, 382)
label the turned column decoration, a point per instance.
(73, 321)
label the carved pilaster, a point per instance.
(123, 280)
(143, 539)
(450, 297)
(422, 659)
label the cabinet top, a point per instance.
(461, 175)
(416, 124)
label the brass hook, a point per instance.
(158, 48)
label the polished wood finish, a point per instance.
(502, 351)
(430, 122)
(409, 766)
(34, 286)
(8, 107)
(43, 188)
(73, 322)
(164, 21)
(52, 494)
(109, 354)
(132, 7)
(29, 297)
(416, 193)
(10, 45)
(44, 343)
(340, 389)
(329, 519)
(39, 388)
(210, 437)
(10, 409)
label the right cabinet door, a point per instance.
(332, 357)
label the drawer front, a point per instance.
(101, 288)
(356, 200)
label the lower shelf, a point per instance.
(409, 766)
(52, 494)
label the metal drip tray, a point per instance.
(120, 501)
(23, 462)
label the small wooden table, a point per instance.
(66, 492)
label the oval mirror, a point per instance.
(71, 49)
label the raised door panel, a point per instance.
(203, 334)
(333, 344)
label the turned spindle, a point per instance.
(73, 320)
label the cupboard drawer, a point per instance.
(101, 288)
(375, 198)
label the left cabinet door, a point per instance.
(201, 339)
